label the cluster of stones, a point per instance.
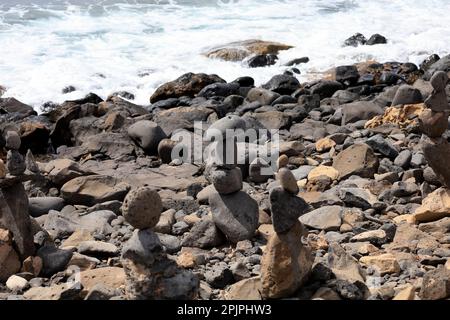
(433, 123)
(16, 243)
(150, 274)
(286, 262)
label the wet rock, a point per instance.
(142, 207)
(239, 50)
(188, 84)
(219, 90)
(263, 96)
(236, 215)
(282, 84)
(376, 39)
(347, 74)
(355, 40)
(326, 88)
(262, 60)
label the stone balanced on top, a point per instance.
(150, 274)
(286, 263)
(433, 123)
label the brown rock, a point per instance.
(286, 264)
(142, 207)
(247, 289)
(34, 136)
(383, 263)
(2, 169)
(406, 294)
(433, 124)
(358, 159)
(287, 180)
(434, 207)
(91, 190)
(110, 276)
(188, 84)
(237, 51)
(9, 260)
(325, 144)
(57, 292)
(330, 172)
(76, 238)
(437, 153)
(436, 284)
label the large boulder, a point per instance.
(360, 110)
(188, 84)
(434, 207)
(181, 118)
(12, 105)
(91, 190)
(147, 135)
(239, 50)
(236, 215)
(282, 84)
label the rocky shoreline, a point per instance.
(93, 205)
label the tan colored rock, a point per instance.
(83, 262)
(408, 237)
(383, 263)
(90, 190)
(186, 260)
(9, 259)
(358, 159)
(57, 292)
(142, 207)
(434, 207)
(282, 161)
(266, 230)
(287, 180)
(325, 144)
(286, 264)
(325, 293)
(402, 117)
(110, 276)
(330, 172)
(408, 218)
(447, 265)
(32, 265)
(343, 265)
(76, 238)
(2, 169)
(165, 222)
(247, 289)
(191, 219)
(60, 171)
(406, 294)
(238, 51)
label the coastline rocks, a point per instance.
(358, 159)
(359, 110)
(355, 40)
(407, 94)
(285, 208)
(147, 134)
(90, 190)
(226, 180)
(347, 74)
(219, 90)
(142, 208)
(282, 84)
(12, 105)
(326, 88)
(42, 205)
(376, 39)
(286, 264)
(262, 60)
(189, 84)
(237, 51)
(218, 129)
(442, 64)
(236, 215)
(263, 96)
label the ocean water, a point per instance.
(136, 45)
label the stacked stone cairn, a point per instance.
(16, 227)
(150, 273)
(433, 123)
(234, 212)
(286, 262)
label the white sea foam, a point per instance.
(48, 46)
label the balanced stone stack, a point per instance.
(234, 212)
(433, 123)
(286, 263)
(150, 274)
(14, 217)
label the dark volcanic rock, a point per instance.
(188, 84)
(262, 60)
(376, 39)
(282, 84)
(326, 88)
(355, 40)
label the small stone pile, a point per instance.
(17, 243)
(433, 123)
(286, 263)
(150, 274)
